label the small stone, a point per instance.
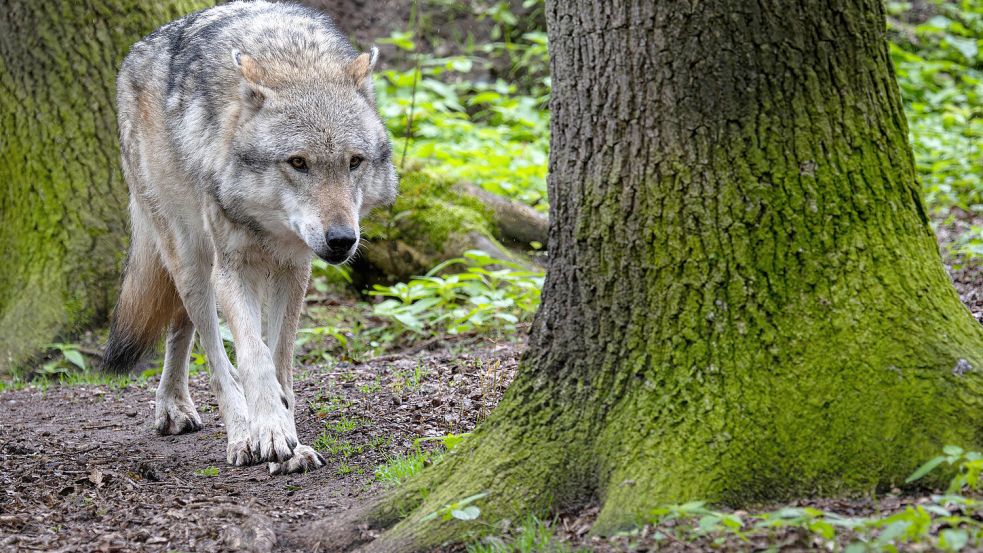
(962, 367)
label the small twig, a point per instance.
(101, 426)
(90, 352)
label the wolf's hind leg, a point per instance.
(174, 409)
(287, 289)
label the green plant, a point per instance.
(490, 293)
(946, 522)
(343, 425)
(461, 510)
(207, 472)
(410, 380)
(323, 405)
(532, 536)
(485, 133)
(371, 387)
(969, 465)
(67, 359)
(940, 73)
(399, 468)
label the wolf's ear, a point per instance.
(360, 71)
(253, 92)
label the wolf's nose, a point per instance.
(340, 240)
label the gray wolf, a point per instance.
(250, 140)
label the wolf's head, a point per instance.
(310, 154)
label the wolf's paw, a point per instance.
(176, 417)
(239, 454)
(273, 437)
(305, 459)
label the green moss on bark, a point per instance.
(64, 205)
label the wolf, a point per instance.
(250, 141)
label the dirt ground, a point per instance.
(82, 469)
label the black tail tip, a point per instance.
(122, 354)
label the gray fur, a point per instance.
(215, 110)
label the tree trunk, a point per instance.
(64, 202)
(744, 301)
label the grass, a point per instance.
(532, 536)
(401, 467)
(398, 469)
(408, 380)
(207, 472)
(325, 405)
(334, 446)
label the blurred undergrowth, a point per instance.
(936, 51)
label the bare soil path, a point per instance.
(82, 470)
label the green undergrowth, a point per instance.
(493, 132)
(67, 364)
(939, 65)
(399, 468)
(949, 521)
(473, 294)
(487, 294)
(531, 535)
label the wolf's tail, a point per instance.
(147, 303)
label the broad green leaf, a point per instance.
(925, 469)
(470, 512)
(74, 357)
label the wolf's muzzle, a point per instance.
(339, 243)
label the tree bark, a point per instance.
(64, 202)
(744, 301)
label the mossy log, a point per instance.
(433, 221)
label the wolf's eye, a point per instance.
(298, 163)
(355, 162)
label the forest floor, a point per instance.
(82, 469)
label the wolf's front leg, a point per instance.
(272, 433)
(287, 289)
(199, 299)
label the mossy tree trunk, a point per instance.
(64, 201)
(744, 300)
